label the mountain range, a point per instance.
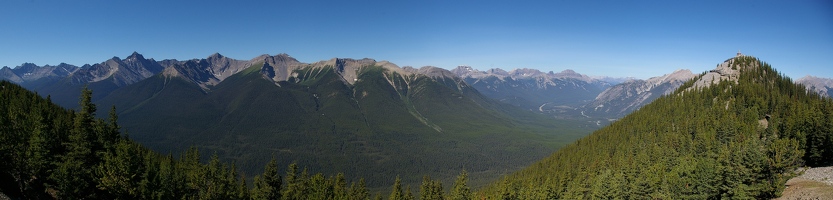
(366, 118)
(570, 95)
(351, 115)
(562, 95)
(739, 131)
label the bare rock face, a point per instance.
(6, 73)
(277, 68)
(823, 86)
(726, 71)
(130, 70)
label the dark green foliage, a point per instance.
(431, 189)
(727, 140)
(461, 190)
(386, 123)
(396, 192)
(56, 153)
(268, 186)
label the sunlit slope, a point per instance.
(721, 139)
(383, 125)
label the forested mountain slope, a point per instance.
(361, 117)
(738, 131)
(49, 152)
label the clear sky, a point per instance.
(614, 38)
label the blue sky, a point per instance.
(614, 38)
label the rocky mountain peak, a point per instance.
(525, 72)
(216, 56)
(27, 67)
(136, 56)
(568, 71)
(462, 70)
(726, 71)
(498, 71)
(132, 69)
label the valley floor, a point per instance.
(815, 183)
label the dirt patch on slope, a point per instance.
(815, 183)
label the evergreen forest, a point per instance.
(49, 152)
(735, 140)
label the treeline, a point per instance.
(727, 140)
(49, 152)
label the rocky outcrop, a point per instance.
(726, 71)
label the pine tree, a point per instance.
(359, 191)
(73, 176)
(408, 194)
(294, 184)
(431, 189)
(461, 189)
(340, 186)
(119, 172)
(268, 186)
(396, 190)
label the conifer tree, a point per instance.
(268, 185)
(396, 190)
(461, 189)
(73, 176)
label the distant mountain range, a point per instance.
(624, 98)
(739, 131)
(565, 94)
(571, 95)
(363, 117)
(354, 116)
(557, 94)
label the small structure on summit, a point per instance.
(739, 54)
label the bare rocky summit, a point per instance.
(726, 71)
(121, 72)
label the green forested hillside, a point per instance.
(48, 152)
(385, 124)
(728, 140)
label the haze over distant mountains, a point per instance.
(565, 94)
(739, 131)
(363, 117)
(354, 115)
